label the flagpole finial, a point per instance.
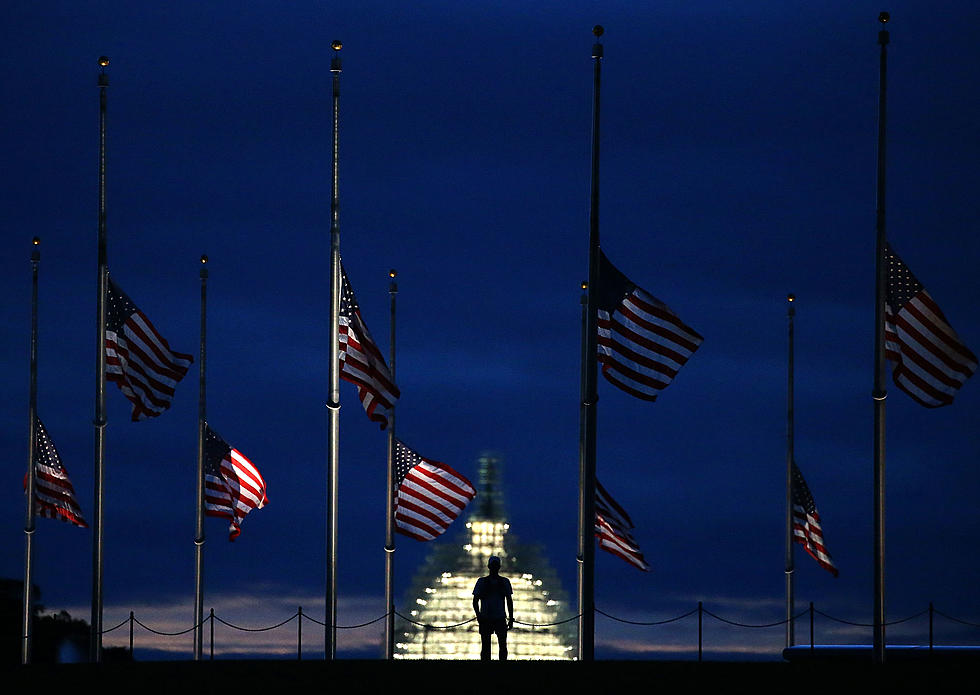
(791, 298)
(597, 31)
(392, 273)
(103, 77)
(884, 17)
(204, 266)
(204, 259)
(335, 61)
(36, 253)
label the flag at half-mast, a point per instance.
(806, 523)
(929, 361)
(233, 485)
(429, 495)
(138, 359)
(641, 343)
(54, 496)
(614, 530)
(361, 363)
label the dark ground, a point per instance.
(468, 677)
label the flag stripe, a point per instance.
(429, 495)
(138, 359)
(929, 361)
(806, 522)
(361, 363)
(54, 495)
(641, 343)
(613, 529)
(233, 485)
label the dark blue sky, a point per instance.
(738, 164)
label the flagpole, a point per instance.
(390, 497)
(333, 405)
(199, 519)
(880, 393)
(27, 631)
(98, 529)
(790, 598)
(587, 424)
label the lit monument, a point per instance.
(443, 591)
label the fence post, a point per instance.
(811, 626)
(299, 636)
(931, 610)
(131, 618)
(700, 619)
(211, 618)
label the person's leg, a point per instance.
(502, 639)
(485, 635)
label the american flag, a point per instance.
(614, 529)
(642, 343)
(233, 486)
(54, 496)
(428, 495)
(361, 362)
(806, 523)
(930, 361)
(138, 358)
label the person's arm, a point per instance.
(510, 612)
(476, 606)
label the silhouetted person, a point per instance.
(490, 595)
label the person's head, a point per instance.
(493, 564)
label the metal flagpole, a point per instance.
(98, 529)
(27, 631)
(201, 424)
(587, 421)
(879, 394)
(584, 538)
(790, 598)
(333, 405)
(390, 507)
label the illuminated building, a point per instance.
(443, 592)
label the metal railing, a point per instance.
(700, 611)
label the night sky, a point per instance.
(738, 164)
